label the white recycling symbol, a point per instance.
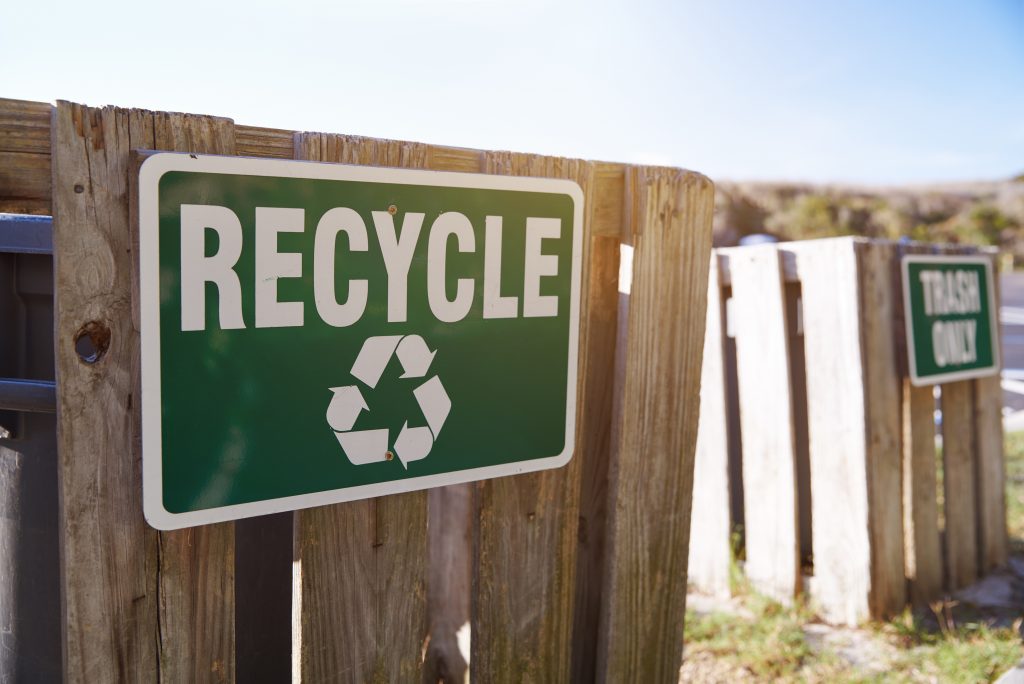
(371, 446)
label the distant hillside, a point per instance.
(983, 213)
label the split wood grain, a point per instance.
(361, 576)
(109, 555)
(766, 421)
(710, 551)
(958, 478)
(836, 410)
(525, 531)
(138, 606)
(655, 426)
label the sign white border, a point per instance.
(150, 173)
(908, 320)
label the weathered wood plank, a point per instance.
(787, 253)
(25, 206)
(24, 175)
(766, 420)
(197, 565)
(882, 398)
(610, 180)
(360, 597)
(923, 557)
(835, 425)
(655, 426)
(958, 477)
(109, 554)
(25, 126)
(593, 438)
(993, 539)
(710, 553)
(525, 532)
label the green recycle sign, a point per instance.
(371, 446)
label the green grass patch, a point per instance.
(952, 651)
(770, 644)
(767, 640)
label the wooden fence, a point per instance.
(816, 452)
(576, 574)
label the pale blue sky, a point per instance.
(873, 91)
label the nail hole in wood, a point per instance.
(92, 341)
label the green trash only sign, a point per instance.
(315, 333)
(949, 305)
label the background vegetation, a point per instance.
(990, 214)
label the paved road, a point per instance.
(1012, 315)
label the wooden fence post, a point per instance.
(991, 474)
(958, 481)
(196, 565)
(109, 554)
(922, 549)
(836, 413)
(655, 427)
(134, 600)
(766, 419)
(710, 549)
(991, 463)
(599, 330)
(882, 397)
(853, 404)
(525, 531)
(360, 589)
(923, 557)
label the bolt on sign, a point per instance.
(315, 333)
(950, 308)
